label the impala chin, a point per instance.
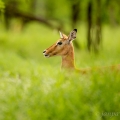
(46, 55)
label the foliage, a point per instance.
(52, 9)
(2, 6)
(34, 88)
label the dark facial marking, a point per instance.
(55, 53)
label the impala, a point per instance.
(64, 48)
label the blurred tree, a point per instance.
(2, 6)
(75, 16)
(94, 25)
(98, 26)
(75, 12)
(13, 10)
(56, 15)
(113, 11)
(89, 19)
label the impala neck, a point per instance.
(68, 59)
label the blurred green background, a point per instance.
(33, 87)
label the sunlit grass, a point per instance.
(35, 88)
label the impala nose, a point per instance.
(45, 54)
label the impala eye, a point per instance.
(59, 43)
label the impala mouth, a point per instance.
(46, 55)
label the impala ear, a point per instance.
(61, 35)
(72, 35)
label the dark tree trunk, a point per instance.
(98, 26)
(75, 17)
(89, 20)
(75, 13)
(94, 29)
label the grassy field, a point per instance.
(33, 87)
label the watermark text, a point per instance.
(110, 114)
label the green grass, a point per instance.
(33, 87)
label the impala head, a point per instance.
(62, 46)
